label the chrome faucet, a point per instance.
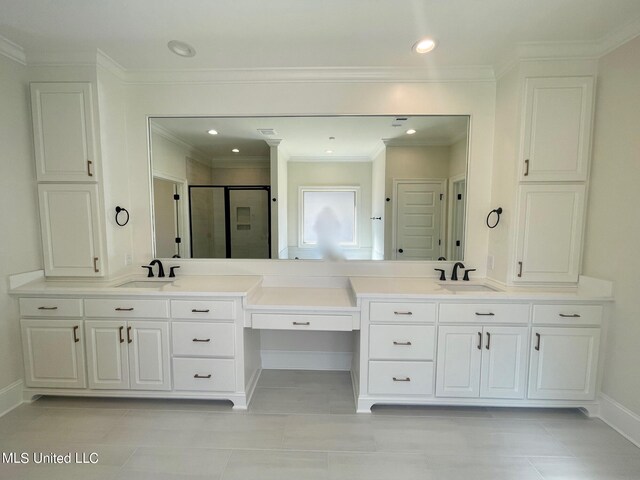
(454, 272)
(150, 267)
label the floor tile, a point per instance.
(378, 466)
(270, 465)
(331, 433)
(594, 468)
(172, 461)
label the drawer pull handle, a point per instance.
(195, 310)
(479, 340)
(519, 269)
(47, 308)
(120, 336)
(526, 167)
(202, 376)
(403, 313)
(95, 265)
(129, 335)
(488, 340)
(490, 314)
(75, 334)
(567, 315)
(89, 172)
(405, 379)
(302, 323)
(120, 309)
(402, 343)
(201, 340)
(537, 347)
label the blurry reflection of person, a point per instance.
(327, 228)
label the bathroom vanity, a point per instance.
(415, 340)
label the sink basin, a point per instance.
(145, 284)
(468, 288)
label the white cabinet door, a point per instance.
(149, 355)
(564, 363)
(459, 359)
(63, 131)
(504, 362)
(557, 129)
(70, 230)
(53, 353)
(549, 235)
(107, 354)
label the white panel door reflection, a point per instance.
(418, 220)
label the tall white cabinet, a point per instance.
(65, 129)
(551, 194)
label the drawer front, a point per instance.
(285, 321)
(401, 378)
(484, 313)
(204, 374)
(51, 307)
(402, 312)
(203, 339)
(401, 342)
(211, 310)
(126, 308)
(567, 314)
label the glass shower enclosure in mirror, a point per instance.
(312, 187)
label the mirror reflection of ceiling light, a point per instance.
(235, 150)
(411, 131)
(212, 132)
(425, 45)
(181, 48)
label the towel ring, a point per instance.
(120, 210)
(498, 212)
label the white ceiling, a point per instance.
(238, 34)
(307, 138)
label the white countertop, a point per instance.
(344, 296)
(432, 289)
(303, 298)
(188, 285)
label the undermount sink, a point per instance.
(145, 284)
(461, 287)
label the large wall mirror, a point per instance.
(314, 187)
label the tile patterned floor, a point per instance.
(302, 426)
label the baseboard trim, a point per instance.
(294, 360)
(11, 397)
(620, 418)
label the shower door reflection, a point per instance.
(229, 221)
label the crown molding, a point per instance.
(418, 143)
(619, 37)
(241, 162)
(479, 73)
(105, 61)
(328, 159)
(172, 137)
(12, 50)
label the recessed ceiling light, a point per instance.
(212, 132)
(425, 45)
(411, 131)
(235, 150)
(329, 151)
(181, 48)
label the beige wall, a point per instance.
(21, 249)
(309, 174)
(428, 162)
(458, 158)
(613, 220)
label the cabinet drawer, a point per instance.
(203, 339)
(484, 313)
(51, 307)
(204, 374)
(401, 342)
(212, 310)
(286, 321)
(401, 378)
(126, 308)
(402, 312)
(567, 314)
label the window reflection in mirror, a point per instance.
(347, 187)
